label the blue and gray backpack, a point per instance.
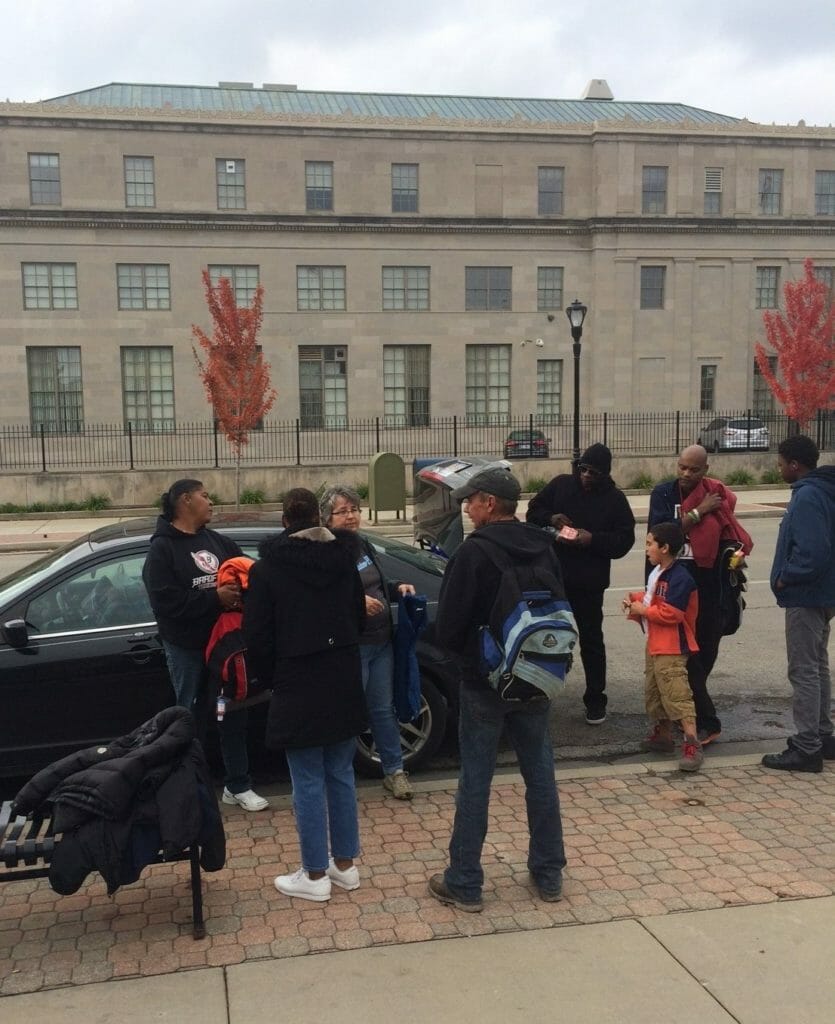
(526, 649)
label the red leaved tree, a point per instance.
(234, 373)
(803, 337)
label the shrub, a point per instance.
(771, 476)
(536, 483)
(642, 482)
(739, 478)
(362, 491)
(96, 502)
(215, 499)
(252, 497)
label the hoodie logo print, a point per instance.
(206, 561)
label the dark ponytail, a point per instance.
(169, 499)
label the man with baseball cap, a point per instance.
(469, 589)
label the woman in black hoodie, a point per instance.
(304, 609)
(180, 575)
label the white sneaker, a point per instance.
(347, 879)
(249, 800)
(302, 885)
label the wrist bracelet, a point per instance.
(694, 515)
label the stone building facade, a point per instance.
(417, 253)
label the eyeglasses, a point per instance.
(589, 469)
(350, 510)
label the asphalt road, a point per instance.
(748, 684)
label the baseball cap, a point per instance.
(497, 481)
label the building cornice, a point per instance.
(303, 223)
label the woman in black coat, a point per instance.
(303, 613)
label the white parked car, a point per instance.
(739, 433)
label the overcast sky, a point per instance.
(761, 59)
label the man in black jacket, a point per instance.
(594, 524)
(468, 591)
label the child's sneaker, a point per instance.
(658, 741)
(691, 755)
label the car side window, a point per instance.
(100, 596)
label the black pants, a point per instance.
(587, 606)
(708, 635)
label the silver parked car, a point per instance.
(739, 433)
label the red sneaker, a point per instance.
(691, 755)
(658, 741)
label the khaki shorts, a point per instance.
(666, 689)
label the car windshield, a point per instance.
(22, 579)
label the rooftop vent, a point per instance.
(597, 89)
(279, 87)
(235, 85)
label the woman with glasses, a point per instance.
(340, 508)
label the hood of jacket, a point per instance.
(822, 478)
(521, 541)
(315, 555)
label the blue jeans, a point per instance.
(187, 669)
(377, 681)
(325, 802)
(482, 715)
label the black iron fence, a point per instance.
(110, 446)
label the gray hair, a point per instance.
(328, 500)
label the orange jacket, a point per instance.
(671, 615)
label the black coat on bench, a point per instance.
(117, 806)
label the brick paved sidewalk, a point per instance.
(640, 842)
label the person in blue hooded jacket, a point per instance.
(803, 581)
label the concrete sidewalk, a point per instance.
(42, 533)
(708, 897)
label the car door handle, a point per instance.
(142, 638)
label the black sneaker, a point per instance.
(791, 760)
(828, 748)
(550, 893)
(595, 714)
(438, 889)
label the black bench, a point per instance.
(27, 845)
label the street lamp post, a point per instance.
(576, 314)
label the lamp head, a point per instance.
(540, 343)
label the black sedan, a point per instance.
(81, 661)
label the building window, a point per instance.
(49, 286)
(244, 281)
(707, 387)
(139, 181)
(321, 288)
(768, 281)
(143, 286)
(826, 276)
(825, 193)
(771, 190)
(762, 401)
(713, 190)
(488, 383)
(231, 184)
(404, 188)
(654, 190)
(45, 179)
(488, 288)
(405, 287)
(318, 185)
(550, 189)
(148, 388)
(548, 288)
(55, 397)
(406, 385)
(548, 390)
(323, 386)
(652, 287)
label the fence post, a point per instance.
(130, 444)
(43, 450)
(748, 430)
(606, 429)
(455, 435)
(298, 443)
(377, 433)
(214, 433)
(678, 432)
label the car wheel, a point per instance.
(418, 739)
